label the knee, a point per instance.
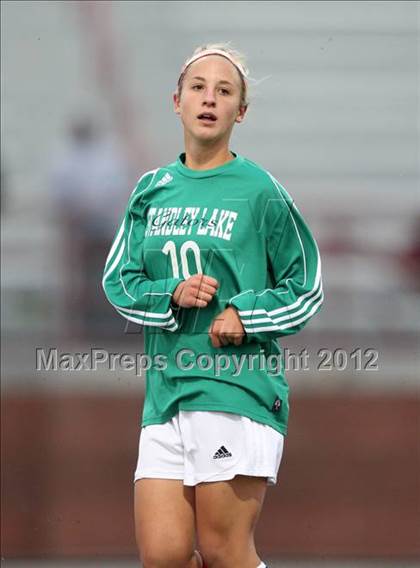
(220, 550)
(167, 555)
(213, 556)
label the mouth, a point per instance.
(207, 117)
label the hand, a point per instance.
(227, 328)
(195, 292)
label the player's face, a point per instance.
(209, 104)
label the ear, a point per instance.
(241, 113)
(176, 101)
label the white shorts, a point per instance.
(198, 446)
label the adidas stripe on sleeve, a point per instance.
(295, 265)
(126, 285)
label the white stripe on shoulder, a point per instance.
(115, 263)
(116, 242)
(122, 227)
(127, 261)
(134, 195)
(278, 187)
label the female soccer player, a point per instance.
(217, 263)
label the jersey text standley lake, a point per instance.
(171, 221)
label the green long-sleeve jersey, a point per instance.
(237, 224)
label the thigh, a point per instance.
(228, 507)
(163, 506)
(229, 459)
(226, 515)
(164, 521)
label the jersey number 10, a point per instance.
(170, 248)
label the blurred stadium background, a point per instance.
(86, 108)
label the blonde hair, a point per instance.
(235, 57)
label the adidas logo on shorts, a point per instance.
(222, 452)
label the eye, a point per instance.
(197, 87)
(224, 91)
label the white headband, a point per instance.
(239, 67)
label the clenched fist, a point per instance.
(227, 328)
(195, 292)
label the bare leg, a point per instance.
(165, 523)
(227, 513)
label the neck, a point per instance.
(201, 157)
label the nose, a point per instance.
(209, 97)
